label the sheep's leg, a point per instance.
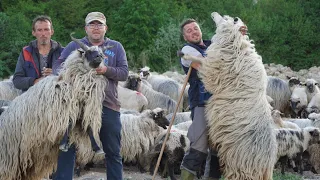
(283, 160)
(299, 162)
(171, 170)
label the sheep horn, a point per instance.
(83, 46)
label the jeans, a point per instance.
(110, 136)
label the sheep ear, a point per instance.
(315, 132)
(217, 18)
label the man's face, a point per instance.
(43, 32)
(96, 31)
(192, 33)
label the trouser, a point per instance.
(110, 136)
(65, 138)
(198, 152)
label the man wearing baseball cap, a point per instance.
(115, 69)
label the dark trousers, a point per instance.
(110, 136)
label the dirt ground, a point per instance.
(132, 173)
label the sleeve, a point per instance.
(20, 80)
(191, 51)
(56, 65)
(120, 71)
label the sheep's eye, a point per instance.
(235, 20)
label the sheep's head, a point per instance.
(144, 72)
(293, 81)
(93, 54)
(133, 82)
(229, 30)
(315, 135)
(311, 85)
(159, 116)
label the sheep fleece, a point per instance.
(238, 113)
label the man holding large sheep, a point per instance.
(197, 133)
(115, 69)
(36, 59)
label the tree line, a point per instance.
(284, 31)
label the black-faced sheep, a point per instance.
(34, 123)
(234, 73)
(176, 146)
(298, 100)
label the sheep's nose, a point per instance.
(95, 63)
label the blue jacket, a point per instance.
(28, 66)
(115, 60)
(197, 93)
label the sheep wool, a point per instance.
(238, 113)
(34, 123)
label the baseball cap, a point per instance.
(95, 16)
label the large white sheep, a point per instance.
(234, 73)
(132, 100)
(293, 142)
(7, 90)
(34, 123)
(279, 91)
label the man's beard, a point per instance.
(44, 42)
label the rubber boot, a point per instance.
(186, 175)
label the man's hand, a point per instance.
(46, 71)
(196, 65)
(101, 70)
(37, 80)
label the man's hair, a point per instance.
(43, 18)
(185, 22)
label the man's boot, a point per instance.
(186, 175)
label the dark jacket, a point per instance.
(197, 93)
(28, 66)
(115, 60)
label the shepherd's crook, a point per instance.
(169, 128)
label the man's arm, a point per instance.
(120, 72)
(20, 80)
(190, 51)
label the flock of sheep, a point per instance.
(254, 120)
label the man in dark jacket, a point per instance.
(35, 60)
(197, 133)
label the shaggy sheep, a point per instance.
(145, 127)
(234, 73)
(180, 117)
(165, 85)
(132, 100)
(176, 146)
(4, 103)
(155, 98)
(279, 91)
(34, 123)
(293, 142)
(8, 91)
